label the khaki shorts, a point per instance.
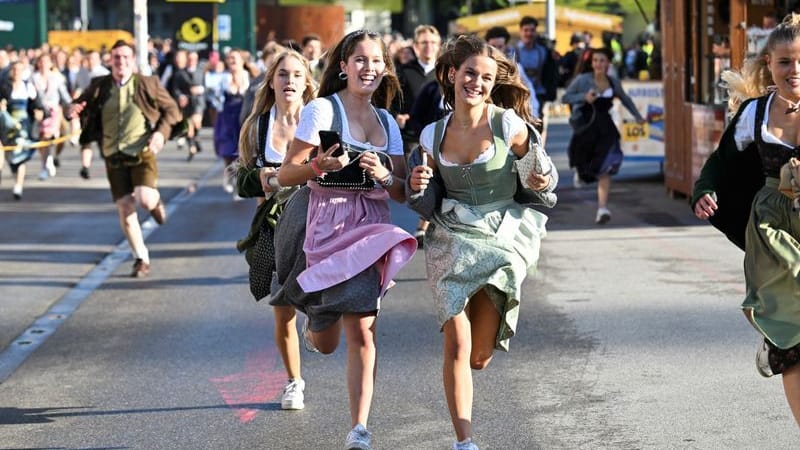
(126, 172)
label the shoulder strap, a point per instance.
(438, 135)
(497, 129)
(336, 125)
(385, 123)
(263, 129)
(761, 110)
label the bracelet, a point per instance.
(276, 185)
(315, 167)
(387, 181)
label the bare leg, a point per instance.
(146, 197)
(86, 156)
(791, 387)
(457, 375)
(286, 339)
(603, 188)
(326, 340)
(129, 222)
(485, 323)
(359, 330)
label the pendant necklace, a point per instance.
(793, 106)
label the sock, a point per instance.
(141, 253)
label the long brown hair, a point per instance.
(265, 98)
(508, 91)
(331, 83)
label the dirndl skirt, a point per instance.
(772, 266)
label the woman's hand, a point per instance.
(326, 162)
(264, 174)
(590, 96)
(420, 178)
(705, 207)
(371, 163)
(537, 182)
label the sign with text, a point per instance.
(193, 25)
(642, 141)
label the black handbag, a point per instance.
(352, 176)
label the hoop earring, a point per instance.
(342, 76)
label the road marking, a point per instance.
(45, 325)
(260, 382)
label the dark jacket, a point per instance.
(735, 177)
(153, 100)
(412, 79)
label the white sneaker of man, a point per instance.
(292, 398)
(603, 216)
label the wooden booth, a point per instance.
(699, 39)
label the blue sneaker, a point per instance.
(358, 439)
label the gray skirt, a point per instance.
(359, 294)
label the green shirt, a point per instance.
(125, 127)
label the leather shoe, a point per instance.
(140, 268)
(159, 213)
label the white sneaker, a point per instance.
(44, 175)
(17, 191)
(466, 444)
(307, 339)
(577, 183)
(293, 395)
(762, 360)
(603, 216)
(181, 143)
(50, 165)
(358, 439)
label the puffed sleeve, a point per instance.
(317, 115)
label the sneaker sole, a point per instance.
(292, 406)
(604, 219)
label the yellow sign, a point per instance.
(632, 131)
(88, 40)
(194, 30)
(568, 21)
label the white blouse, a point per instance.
(512, 125)
(744, 134)
(318, 115)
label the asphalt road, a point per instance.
(630, 334)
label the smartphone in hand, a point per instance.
(326, 140)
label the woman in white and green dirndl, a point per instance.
(481, 238)
(482, 166)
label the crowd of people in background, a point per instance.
(217, 89)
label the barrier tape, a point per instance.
(40, 144)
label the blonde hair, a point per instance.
(754, 79)
(265, 98)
